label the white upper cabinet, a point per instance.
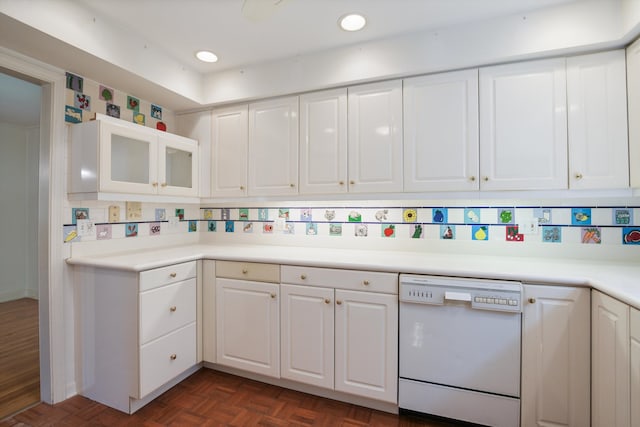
(523, 126)
(633, 99)
(323, 142)
(273, 147)
(598, 147)
(229, 149)
(375, 137)
(113, 156)
(441, 132)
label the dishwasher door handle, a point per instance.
(457, 296)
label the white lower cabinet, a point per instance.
(555, 356)
(634, 329)
(138, 332)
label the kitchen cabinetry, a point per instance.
(375, 137)
(247, 317)
(523, 126)
(597, 99)
(273, 147)
(209, 311)
(441, 132)
(633, 103)
(323, 142)
(555, 356)
(138, 332)
(362, 307)
(229, 150)
(108, 155)
(610, 373)
(634, 329)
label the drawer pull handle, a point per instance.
(303, 276)
(273, 295)
(173, 274)
(173, 356)
(339, 302)
(327, 300)
(366, 283)
(245, 271)
(173, 308)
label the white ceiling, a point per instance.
(294, 27)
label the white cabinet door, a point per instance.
(375, 137)
(523, 126)
(610, 362)
(229, 149)
(366, 352)
(323, 142)
(273, 147)
(248, 326)
(306, 334)
(635, 366)
(177, 166)
(597, 100)
(441, 132)
(128, 159)
(209, 310)
(555, 356)
(633, 102)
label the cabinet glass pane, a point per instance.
(129, 159)
(178, 169)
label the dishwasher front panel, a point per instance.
(455, 345)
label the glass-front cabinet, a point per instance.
(116, 157)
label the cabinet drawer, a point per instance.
(162, 276)
(165, 358)
(341, 279)
(248, 271)
(167, 308)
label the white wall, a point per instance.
(19, 149)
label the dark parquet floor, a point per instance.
(212, 398)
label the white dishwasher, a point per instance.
(460, 348)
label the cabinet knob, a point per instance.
(303, 276)
(164, 184)
(173, 308)
(341, 183)
(242, 187)
(352, 182)
(273, 295)
(245, 271)
(339, 302)
(472, 178)
(155, 184)
(327, 300)
(578, 176)
(292, 185)
(173, 275)
(532, 300)
(173, 356)
(365, 282)
(486, 178)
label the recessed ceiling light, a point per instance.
(352, 22)
(206, 56)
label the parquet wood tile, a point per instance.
(213, 399)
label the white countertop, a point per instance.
(620, 280)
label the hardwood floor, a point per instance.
(19, 356)
(212, 398)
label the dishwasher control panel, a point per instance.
(494, 295)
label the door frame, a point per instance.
(56, 359)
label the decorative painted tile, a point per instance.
(622, 216)
(512, 234)
(448, 232)
(75, 83)
(225, 214)
(543, 215)
(103, 231)
(161, 214)
(212, 226)
(388, 230)
(472, 216)
(440, 215)
(506, 216)
(305, 215)
(193, 226)
(283, 213)
(581, 216)
(79, 213)
(355, 216)
(330, 214)
(361, 230)
(243, 214)
(552, 234)
(207, 214)
(180, 214)
(154, 229)
(382, 215)
(631, 236)
(335, 229)
(139, 119)
(69, 233)
(228, 226)
(410, 215)
(416, 231)
(247, 228)
(156, 112)
(113, 110)
(133, 103)
(131, 229)
(312, 229)
(289, 228)
(72, 114)
(105, 93)
(82, 101)
(480, 232)
(591, 235)
(267, 228)
(263, 214)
